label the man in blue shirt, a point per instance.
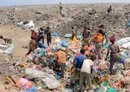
(78, 61)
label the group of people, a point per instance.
(38, 38)
(91, 53)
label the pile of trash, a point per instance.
(34, 72)
(28, 76)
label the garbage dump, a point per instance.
(40, 70)
(95, 62)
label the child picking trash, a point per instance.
(86, 71)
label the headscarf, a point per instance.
(113, 38)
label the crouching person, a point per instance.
(60, 57)
(86, 70)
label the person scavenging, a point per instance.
(86, 71)
(77, 65)
(114, 51)
(99, 40)
(32, 45)
(49, 36)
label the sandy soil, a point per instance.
(19, 38)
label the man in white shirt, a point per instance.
(86, 71)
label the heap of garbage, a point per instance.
(35, 72)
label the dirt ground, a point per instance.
(19, 38)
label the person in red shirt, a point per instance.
(34, 34)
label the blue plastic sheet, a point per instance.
(54, 34)
(128, 24)
(41, 45)
(33, 89)
(64, 44)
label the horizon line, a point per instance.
(58, 3)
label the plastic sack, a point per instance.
(68, 90)
(24, 84)
(111, 90)
(41, 53)
(75, 40)
(64, 44)
(41, 45)
(54, 34)
(106, 45)
(27, 25)
(34, 72)
(124, 42)
(128, 24)
(57, 40)
(68, 35)
(33, 89)
(30, 57)
(7, 49)
(51, 81)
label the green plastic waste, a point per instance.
(105, 83)
(106, 45)
(42, 53)
(111, 90)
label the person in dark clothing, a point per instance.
(86, 33)
(114, 54)
(104, 33)
(41, 35)
(49, 36)
(61, 9)
(109, 9)
(73, 35)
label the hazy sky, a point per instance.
(29, 2)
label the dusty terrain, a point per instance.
(75, 16)
(19, 37)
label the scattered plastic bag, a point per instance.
(33, 89)
(68, 90)
(68, 35)
(111, 90)
(75, 40)
(64, 44)
(51, 81)
(54, 34)
(34, 72)
(7, 49)
(24, 84)
(28, 24)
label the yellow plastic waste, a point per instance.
(75, 40)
